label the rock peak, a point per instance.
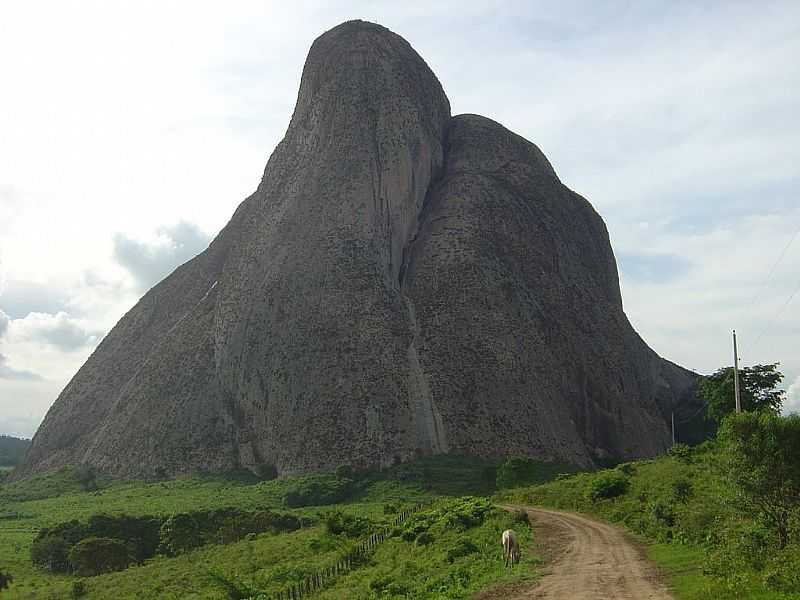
(294, 340)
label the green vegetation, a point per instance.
(724, 516)
(763, 460)
(449, 551)
(519, 471)
(12, 450)
(5, 580)
(183, 539)
(757, 385)
(95, 555)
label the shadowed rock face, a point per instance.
(400, 283)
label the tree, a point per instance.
(95, 555)
(757, 390)
(762, 450)
(515, 472)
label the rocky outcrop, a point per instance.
(400, 283)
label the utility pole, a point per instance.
(736, 375)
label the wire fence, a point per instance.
(347, 562)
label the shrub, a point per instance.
(339, 523)
(390, 509)
(463, 547)
(518, 518)
(663, 514)
(344, 472)
(178, 534)
(782, 572)
(681, 452)
(266, 471)
(516, 472)
(467, 512)
(608, 484)
(87, 477)
(51, 553)
(96, 555)
(681, 489)
(424, 538)
(78, 589)
(696, 524)
(318, 492)
(140, 534)
(234, 588)
(5, 580)
(626, 468)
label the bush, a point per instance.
(5, 580)
(681, 452)
(318, 492)
(516, 472)
(608, 484)
(663, 514)
(266, 471)
(386, 587)
(782, 572)
(338, 523)
(96, 555)
(626, 468)
(178, 534)
(51, 553)
(681, 490)
(234, 588)
(390, 509)
(518, 518)
(78, 589)
(463, 547)
(344, 472)
(87, 477)
(424, 538)
(140, 534)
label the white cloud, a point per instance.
(149, 263)
(792, 403)
(59, 330)
(7, 372)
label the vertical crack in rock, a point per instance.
(427, 417)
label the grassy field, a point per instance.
(403, 566)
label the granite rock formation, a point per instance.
(401, 283)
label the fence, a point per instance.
(346, 563)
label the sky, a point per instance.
(130, 131)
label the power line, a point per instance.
(772, 270)
(778, 314)
(697, 412)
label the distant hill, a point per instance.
(12, 450)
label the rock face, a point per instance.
(400, 283)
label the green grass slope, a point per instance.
(439, 552)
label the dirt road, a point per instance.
(586, 560)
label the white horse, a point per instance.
(510, 547)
